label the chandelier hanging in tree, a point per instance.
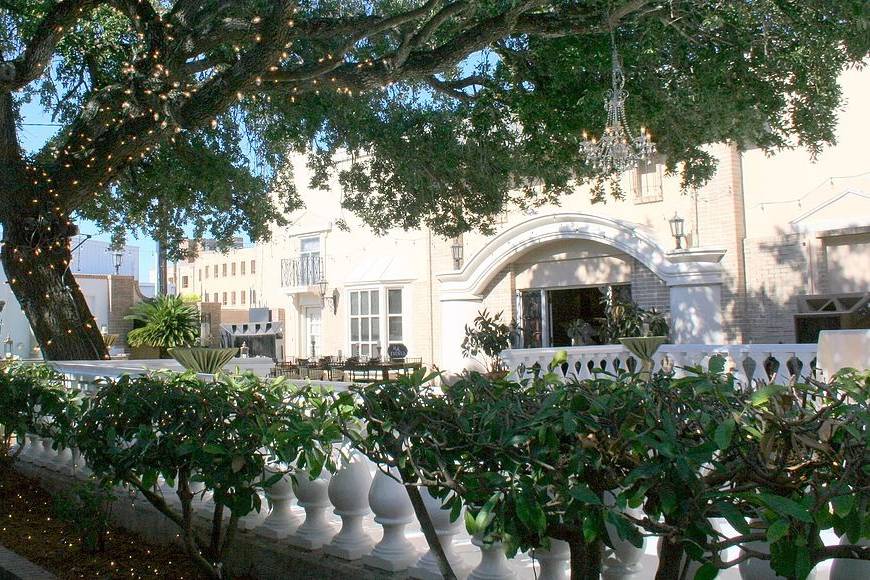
(617, 150)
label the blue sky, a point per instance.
(33, 135)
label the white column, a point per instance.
(455, 314)
(696, 314)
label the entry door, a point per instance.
(311, 345)
(531, 305)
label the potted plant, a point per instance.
(580, 332)
(488, 337)
(164, 322)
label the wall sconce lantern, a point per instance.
(244, 350)
(117, 258)
(458, 249)
(323, 297)
(678, 225)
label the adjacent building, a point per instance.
(774, 248)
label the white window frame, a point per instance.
(383, 317)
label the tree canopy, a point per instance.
(449, 109)
(177, 112)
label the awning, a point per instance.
(380, 269)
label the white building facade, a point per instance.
(775, 249)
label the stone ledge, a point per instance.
(14, 567)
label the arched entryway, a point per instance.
(691, 278)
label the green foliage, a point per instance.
(203, 360)
(624, 318)
(32, 400)
(87, 508)
(225, 434)
(488, 337)
(542, 458)
(167, 322)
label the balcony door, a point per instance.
(311, 345)
(309, 261)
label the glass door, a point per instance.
(531, 318)
(311, 344)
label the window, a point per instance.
(646, 182)
(199, 274)
(253, 296)
(233, 269)
(185, 282)
(243, 295)
(206, 272)
(242, 264)
(253, 266)
(394, 315)
(368, 316)
(224, 301)
(365, 323)
(215, 270)
(233, 298)
(309, 261)
(224, 270)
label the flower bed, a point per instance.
(30, 528)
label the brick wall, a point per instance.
(123, 294)
(776, 270)
(648, 290)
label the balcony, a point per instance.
(302, 273)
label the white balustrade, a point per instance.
(348, 491)
(494, 564)
(313, 495)
(427, 568)
(750, 363)
(255, 518)
(393, 511)
(554, 562)
(281, 520)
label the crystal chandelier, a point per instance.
(617, 150)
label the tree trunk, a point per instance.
(38, 274)
(585, 558)
(670, 560)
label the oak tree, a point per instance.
(449, 110)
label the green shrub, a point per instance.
(221, 433)
(87, 508)
(33, 400)
(488, 337)
(166, 322)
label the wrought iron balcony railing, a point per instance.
(303, 271)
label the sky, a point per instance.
(36, 130)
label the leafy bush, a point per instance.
(32, 400)
(541, 458)
(167, 322)
(87, 508)
(220, 433)
(488, 337)
(626, 319)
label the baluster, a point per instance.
(554, 562)
(348, 491)
(393, 511)
(281, 519)
(79, 466)
(25, 441)
(313, 496)
(427, 567)
(255, 518)
(622, 561)
(493, 562)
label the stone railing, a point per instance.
(358, 522)
(750, 363)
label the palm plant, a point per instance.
(167, 322)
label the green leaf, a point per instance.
(212, 449)
(717, 364)
(724, 433)
(763, 395)
(786, 506)
(843, 504)
(584, 494)
(777, 530)
(734, 517)
(706, 572)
